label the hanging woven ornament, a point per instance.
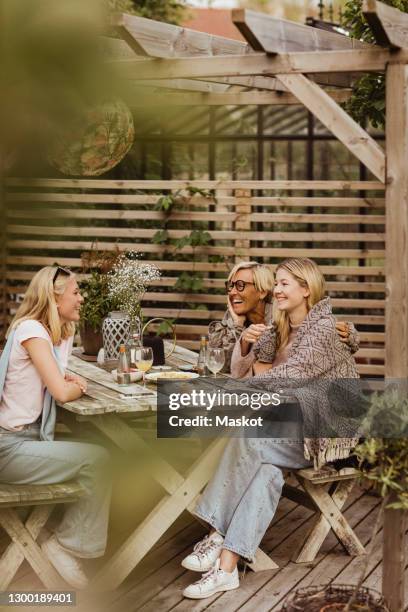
(95, 143)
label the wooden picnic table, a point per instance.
(105, 408)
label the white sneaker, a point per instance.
(205, 553)
(214, 581)
(68, 566)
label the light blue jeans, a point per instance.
(242, 496)
(25, 459)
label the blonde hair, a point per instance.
(308, 274)
(39, 303)
(262, 275)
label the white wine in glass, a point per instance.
(144, 360)
(215, 359)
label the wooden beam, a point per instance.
(158, 39)
(396, 309)
(273, 35)
(388, 24)
(255, 82)
(260, 98)
(359, 60)
(186, 85)
(352, 135)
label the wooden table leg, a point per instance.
(184, 492)
(159, 520)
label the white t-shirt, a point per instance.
(23, 393)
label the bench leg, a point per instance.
(25, 546)
(330, 517)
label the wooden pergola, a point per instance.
(281, 63)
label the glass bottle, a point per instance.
(132, 347)
(201, 361)
(123, 367)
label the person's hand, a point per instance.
(78, 380)
(238, 320)
(252, 333)
(343, 330)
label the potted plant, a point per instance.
(127, 282)
(98, 302)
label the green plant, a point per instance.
(367, 102)
(384, 460)
(188, 282)
(97, 303)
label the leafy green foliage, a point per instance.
(191, 283)
(97, 303)
(384, 461)
(367, 103)
(165, 203)
(161, 237)
(165, 327)
(170, 11)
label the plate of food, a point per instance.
(170, 375)
(135, 375)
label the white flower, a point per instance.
(128, 280)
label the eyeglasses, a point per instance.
(59, 271)
(238, 284)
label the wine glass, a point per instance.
(215, 359)
(144, 360)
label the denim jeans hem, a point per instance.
(239, 551)
(208, 520)
(80, 553)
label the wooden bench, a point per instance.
(23, 537)
(325, 491)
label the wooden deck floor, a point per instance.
(156, 585)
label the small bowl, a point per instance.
(134, 375)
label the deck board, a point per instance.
(156, 584)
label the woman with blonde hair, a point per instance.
(241, 498)
(249, 314)
(32, 379)
(249, 289)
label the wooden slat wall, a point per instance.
(54, 220)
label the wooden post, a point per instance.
(396, 310)
(394, 558)
(396, 268)
(243, 221)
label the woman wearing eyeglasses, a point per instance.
(32, 379)
(249, 314)
(249, 294)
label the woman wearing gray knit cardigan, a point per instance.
(241, 498)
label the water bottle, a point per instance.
(132, 347)
(123, 367)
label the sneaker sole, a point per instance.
(214, 592)
(193, 568)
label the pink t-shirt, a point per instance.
(23, 393)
